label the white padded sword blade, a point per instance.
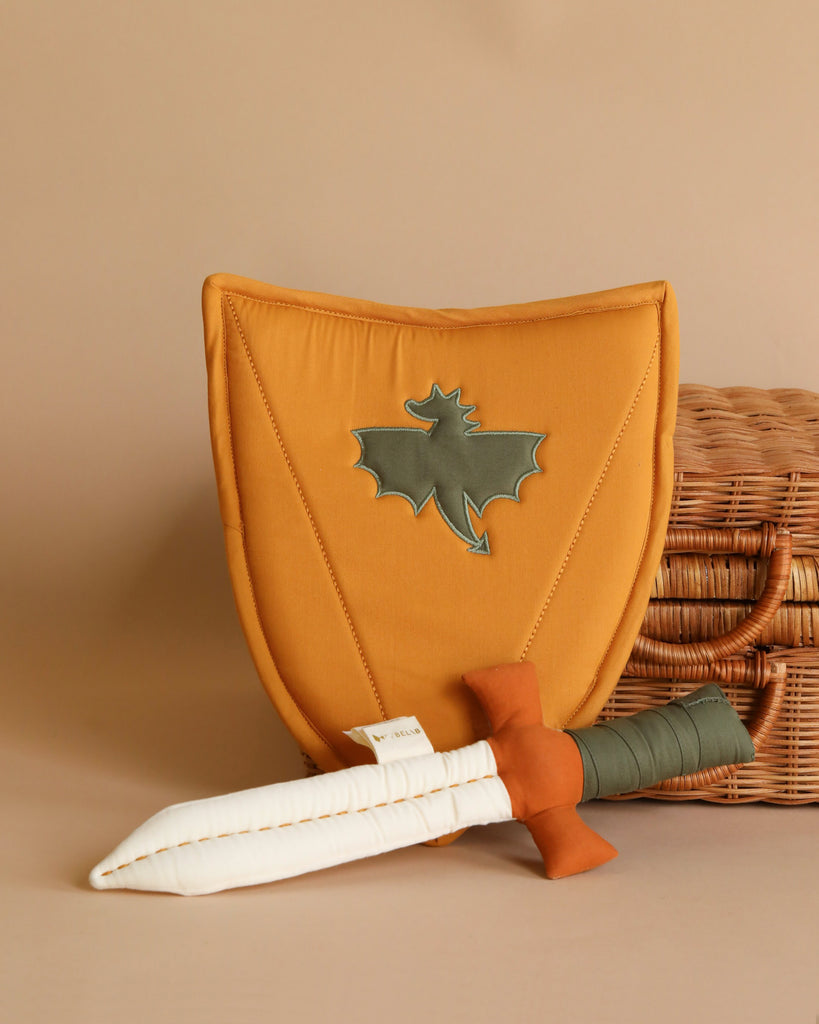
(272, 832)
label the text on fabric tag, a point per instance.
(394, 739)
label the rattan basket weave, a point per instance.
(689, 577)
(744, 456)
(793, 625)
(696, 597)
(746, 467)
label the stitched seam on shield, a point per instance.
(439, 327)
(652, 504)
(586, 511)
(241, 532)
(309, 514)
(289, 824)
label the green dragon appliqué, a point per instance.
(454, 462)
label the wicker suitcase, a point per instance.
(729, 603)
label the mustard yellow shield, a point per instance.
(408, 494)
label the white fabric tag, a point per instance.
(394, 739)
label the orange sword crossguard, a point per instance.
(542, 769)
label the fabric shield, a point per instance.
(408, 494)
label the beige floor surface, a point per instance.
(118, 701)
(710, 914)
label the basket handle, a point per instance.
(770, 677)
(768, 541)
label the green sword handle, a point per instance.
(547, 772)
(687, 735)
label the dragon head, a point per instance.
(438, 407)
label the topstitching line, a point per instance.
(309, 515)
(586, 511)
(324, 311)
(652, 505)
(241, 532)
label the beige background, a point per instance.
(440, 152)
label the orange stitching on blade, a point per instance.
(288, 824)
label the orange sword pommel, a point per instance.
(547, 772)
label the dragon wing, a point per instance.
(499, 461)
(398, 458)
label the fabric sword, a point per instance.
(277, 831)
